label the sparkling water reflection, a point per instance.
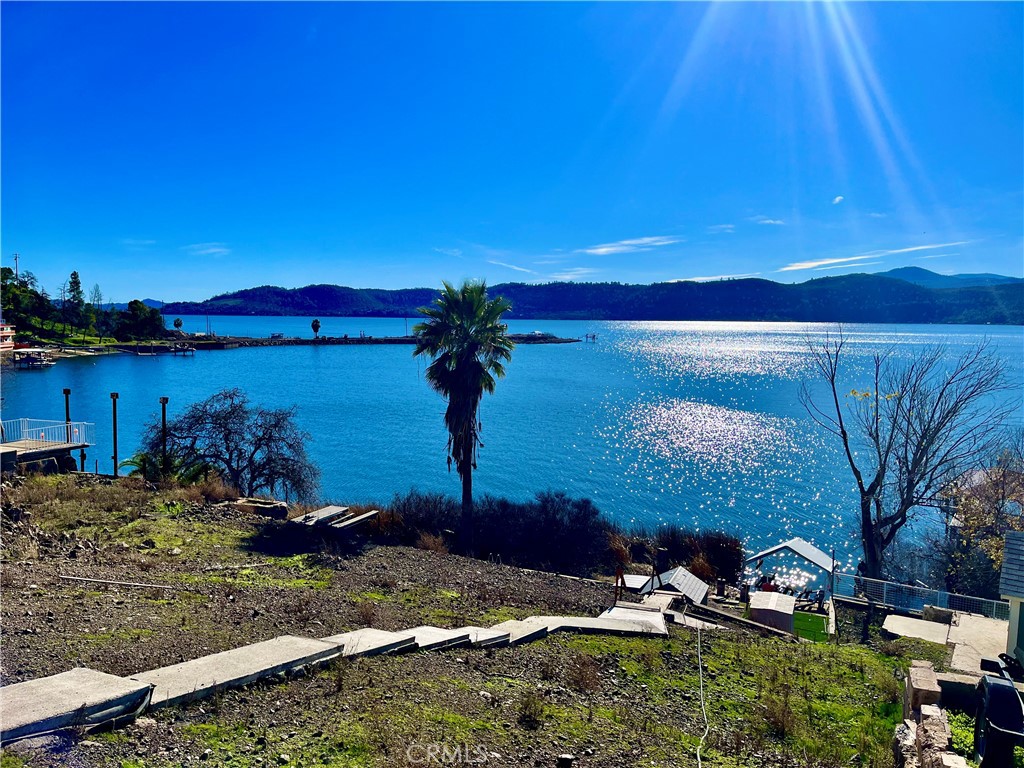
(693, 423)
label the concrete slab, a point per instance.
(202, 677)
(434, 638)
(685, 620)
(655, 621)
(975, 638)
(484, 637)
(660, 601)
(643, 605)
(373, 642)
(904, 626)
(604, 624)
(523, 631)
(349, 522)
(321, 516)
(76, 697)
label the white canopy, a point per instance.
(803, 549)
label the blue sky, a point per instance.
(179, 150)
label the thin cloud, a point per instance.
(936, 255)
(208, 249)
(766, 220)
(711, 278)
(573, 273)
(849, 266)
(456, 252)
(549, 261)
(720, 229)
(629, 246)
(133, 242)
(511, 266)
(877, 215)
(914, 248)
(837, 199)
(798, 265)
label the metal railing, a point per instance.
(913, 598)
(37, 432)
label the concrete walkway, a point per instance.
(78, 697)
(204, 676)
(904, 626)
(975, 638)
(84, 697)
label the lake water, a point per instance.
(660, 422)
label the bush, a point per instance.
(531, 710)
(552, 532)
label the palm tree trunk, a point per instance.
(468, 529)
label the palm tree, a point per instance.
(315, 325)
(178, 323)
(465, 336)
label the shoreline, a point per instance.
(154, 347)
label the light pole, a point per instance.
(164, 469)
(67, 411)
(113, 405)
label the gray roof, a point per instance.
(635, 581)
(1011, 582)
(804, 549)
(680, 580)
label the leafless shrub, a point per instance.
(584, 674)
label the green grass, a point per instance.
(810, 626)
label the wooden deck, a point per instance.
(32, 449)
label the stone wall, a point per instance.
(923, 739)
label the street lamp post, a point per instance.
(113, 405)
(164, 469)
(67, 411)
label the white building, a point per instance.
(1011, 587)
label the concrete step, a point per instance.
(522, 631)
(644, 622)
(685, 620)
(372, 642)
(321, 516)
(654, 624)
(202, 677)
(658, 601)
(78, 697)
(434, 638)
(484, 637)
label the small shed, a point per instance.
(773, 609)
(678, 580)
(1011, 588)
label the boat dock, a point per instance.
(39, 442)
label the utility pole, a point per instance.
(16, 257)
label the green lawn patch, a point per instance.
(810, 626)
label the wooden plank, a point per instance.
(351, 521)
(323, 515)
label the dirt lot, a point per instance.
(219, 579)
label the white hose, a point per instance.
(703, 709)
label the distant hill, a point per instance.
(859, 298)
(928, 279)
(151, 303)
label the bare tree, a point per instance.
(254, 448)
(921, 419)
